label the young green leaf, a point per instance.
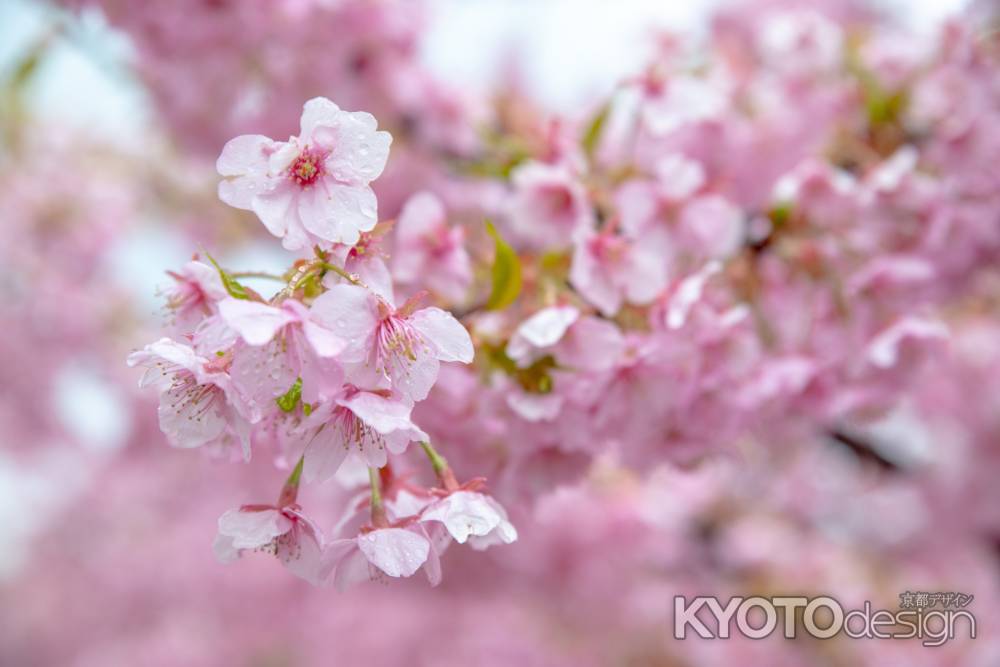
(506, 272)
(236, 290)
(592, 136)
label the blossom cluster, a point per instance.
(329, 367)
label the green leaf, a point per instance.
(506, 272)
(592, 135)
(780, 214)
(235, 290)
(27, 67)
(535, 379)
(290, 398)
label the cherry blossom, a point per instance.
(377, 552)
(366, 262)
(197, 403)
(197, 290)
(800, 41)
(398, 349)
(314, 187)
(681, 101)
(711, 227)
(473, 517)
(550, 205)
(282, 344)
(609, 270)
(540, 332)
(885, 349)
(285, 532)
(428, 249)
(644, 205)
(371, 424)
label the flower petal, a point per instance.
(323, 341)
(396, 551)
(464, 513)
(543, 329)
(153, 356)
(302, 552)
(319, 111)
(257, 323)
(324, 454)
(445, 334)
(385, 415)
(349, 210)
(349, 312)
(253, 529)
(347, 564)
(358, 152)
(192, 415)
(244, 155)
(274, 208)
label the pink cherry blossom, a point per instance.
(682, 101)
(473, 517)
(687, 294)
(645, 205)
(281, 344)
(312, 189)
(369, 424)
(711, 227)
(399, 349)
(366, 261)
(285, 532)
(609, 269)
(198, 287)
(540, 332)
(391, 551)
(885, 349)
(198, 406)
(549, 207)
(800, 42)
(428, 250)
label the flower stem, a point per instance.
(349, 277)
(257, 274)
(306, 275)
(379, 519)
(441, 468)
(438, 462)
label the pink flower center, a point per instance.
(308, 167)
(608, 248)
(396, 344)
(185, 295)
(438, 242)
(558, 200)
(186, 395)
(366, 243)
(353, 431)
